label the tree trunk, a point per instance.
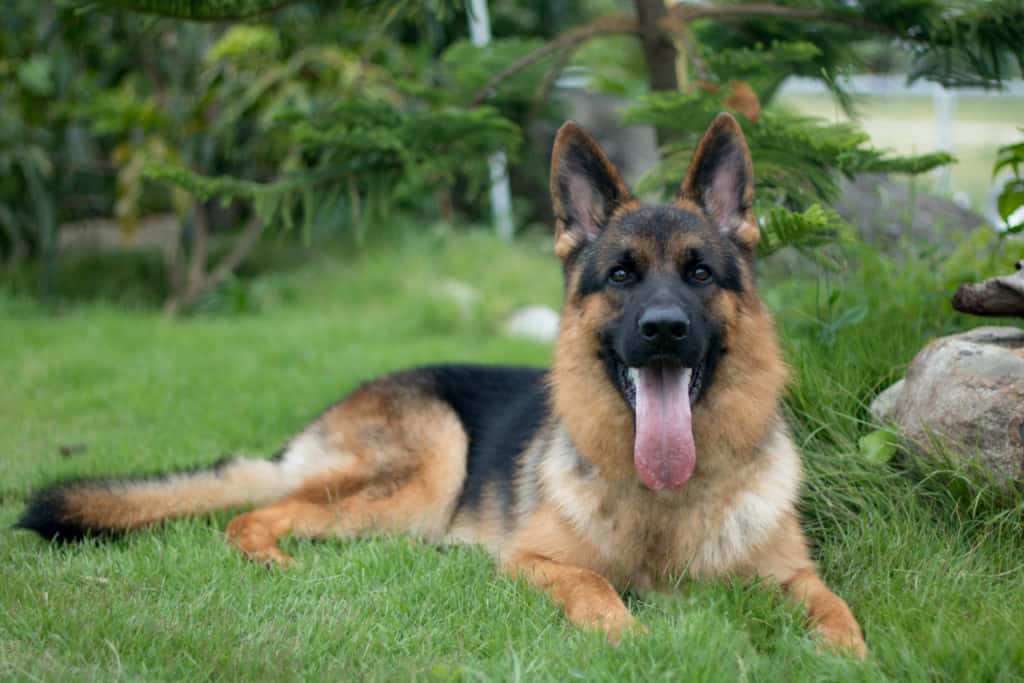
(200, 280)
(659, 52)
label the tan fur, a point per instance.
(827, 611)
(753, 376)
(392, 457)
(485, 525)
(737, 513)
(118, 506)
(401, 463)
(736, 516)
(566, 240)
(588, 599)
(600, 428)
(746, 231)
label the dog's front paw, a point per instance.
(617, 625)
(842, 634)
(613, 619)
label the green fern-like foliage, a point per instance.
(962, 43)
(415, 134)
(816, 226)
(223, 10)
(1011, 196)
(956, 43)
(360, 152)
(321, 137)
(763, 67)
(467, 67)
(201, 10)
(798, 161)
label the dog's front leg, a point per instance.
(829, 613)
(588, 599)
(786, 560)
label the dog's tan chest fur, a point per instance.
(709, 528)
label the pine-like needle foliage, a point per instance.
(360, 152)
(224, 10)
(798, 162)
(956, 43)
(959, 43)
(799, 159)
(367, 149)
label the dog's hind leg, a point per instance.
(257, 533)
(345, 506)
(398, 459)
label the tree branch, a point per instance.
(689, 45)
(659, 49)
(688, 13)
(240, 249)
(199, 251)
(617, 24)
(243, 245)
(675, 23)
(544, 89)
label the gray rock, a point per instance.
(886, 210)
(963, 397)
(885, 402)
(538, 323)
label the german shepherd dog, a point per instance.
(654, 447)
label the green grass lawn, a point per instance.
(932, 566)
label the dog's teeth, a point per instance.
(634, 375)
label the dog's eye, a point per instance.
(620, 275)
(701, 274)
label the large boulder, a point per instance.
(886, 210)
(963, 397)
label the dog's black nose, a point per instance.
(664, 325)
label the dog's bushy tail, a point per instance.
(75, 509)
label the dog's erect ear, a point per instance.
(721, 181)
(586, 188)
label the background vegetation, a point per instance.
(319, 173)
(323, 115)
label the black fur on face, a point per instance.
(660, 267)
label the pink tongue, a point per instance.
(664, 453)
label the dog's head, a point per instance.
(654, 294)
